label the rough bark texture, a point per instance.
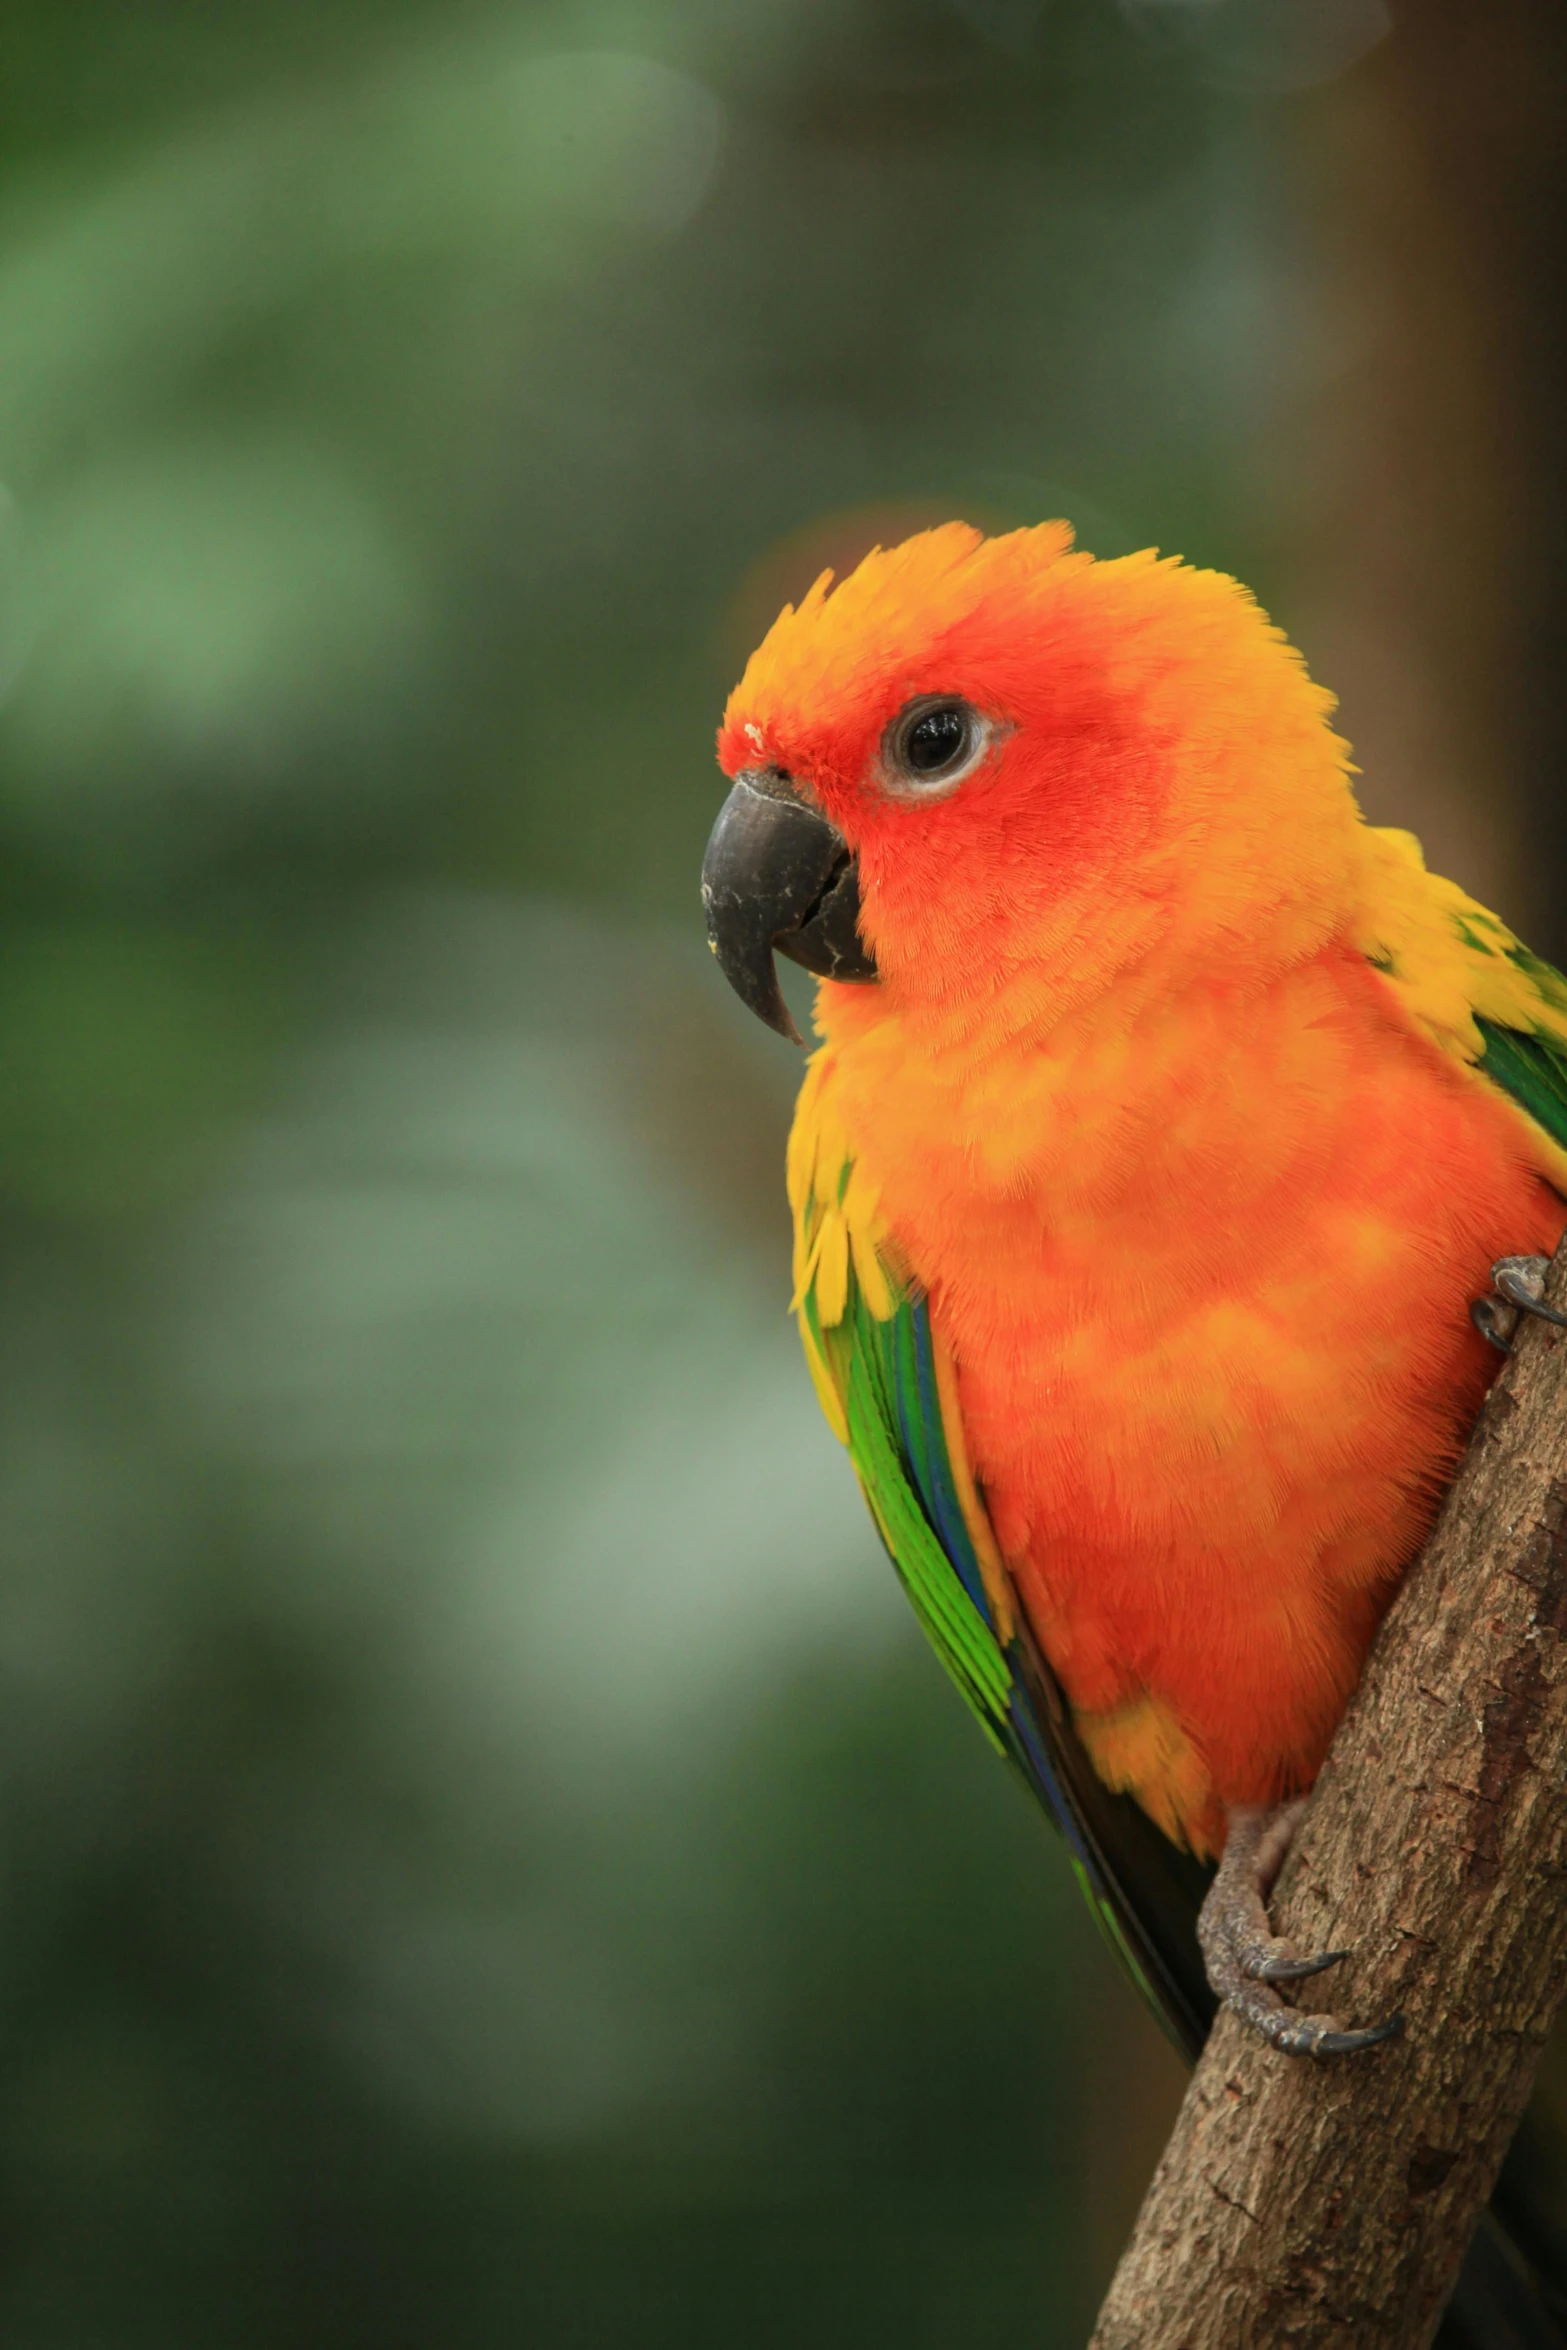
(1307, 2203)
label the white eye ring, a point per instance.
(933, 743)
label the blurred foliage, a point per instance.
(486, 1855)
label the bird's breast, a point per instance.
(1204, 1266)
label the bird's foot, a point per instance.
(1245, 1958)
(1518, 1287)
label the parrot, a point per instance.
(1176, 1154)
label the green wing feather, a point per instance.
(870, 1346)
(1530, 1067)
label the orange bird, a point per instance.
(1175, 1144)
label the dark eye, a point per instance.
(934, 742)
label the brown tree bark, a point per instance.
(1306, 2203)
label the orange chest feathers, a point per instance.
(1204, 1269)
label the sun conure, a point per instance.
(1167, 1124)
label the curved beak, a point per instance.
(777, 875)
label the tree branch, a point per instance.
(1323, 2203)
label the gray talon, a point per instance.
(1319, 2035)
(1350, 2043)
(1245, 1958)
(1295, 1970)
(1521, 1281)
(1495, 1322)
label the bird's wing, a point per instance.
(1468, 984)
(1462, 978)
(887, 1390)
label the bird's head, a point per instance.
(985, 768)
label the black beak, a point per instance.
(776, 874)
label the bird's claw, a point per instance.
(1245, 1958)
(1521, 1280)
(1319, 2035)
(1292, 1970)
(1517, 1287)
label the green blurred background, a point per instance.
(486, 1856)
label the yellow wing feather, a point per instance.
(1451, 963)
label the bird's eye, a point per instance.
(933, 744)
